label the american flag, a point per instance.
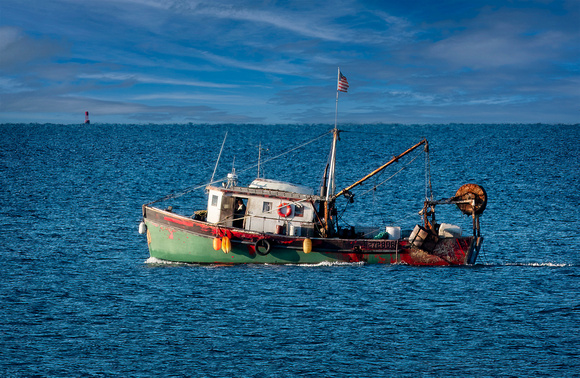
(342, 82)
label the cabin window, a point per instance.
(214, 200)
(267, 207)
(298, 211)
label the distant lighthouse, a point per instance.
(87, 118)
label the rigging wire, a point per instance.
(428, 186)
(202, 185)
(482, 256)
(374, 188)
(286, 152)
(390, 177)
(219, 156)
(340, 216)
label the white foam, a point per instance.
(329, 263)
(156, 261)
(540, 264)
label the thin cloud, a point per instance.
(503, 38)
(218, 99)
(286, 20)
(17, 48)
(153, 80)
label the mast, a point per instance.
(342, 86)
(332, 167)
(329, 202)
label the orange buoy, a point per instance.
(226, 244)
(217, 244)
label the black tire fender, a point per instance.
(262, 247)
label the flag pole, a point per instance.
(336, 108)
(341, 85)
(331, 179)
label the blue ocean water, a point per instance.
(80, 296)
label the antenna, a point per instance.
(218, 159)
(232, 177)
(259, 156)
(260, 149)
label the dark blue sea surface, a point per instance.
(80, 296)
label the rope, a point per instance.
(180, 194)
(482, 256)
(428, 187)
(401, 220)
(374, 204)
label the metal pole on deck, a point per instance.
(218, 159)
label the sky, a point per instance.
(276, 62)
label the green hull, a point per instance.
(178, 245)
(175, 245)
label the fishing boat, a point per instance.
(277, 222)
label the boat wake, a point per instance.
(328, 263)
(536, 264)
(156, 261)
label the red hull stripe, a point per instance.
(179, 221)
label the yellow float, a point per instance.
(226, 244)
(307, 245)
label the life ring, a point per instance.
(262, 247)
(284, 210)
